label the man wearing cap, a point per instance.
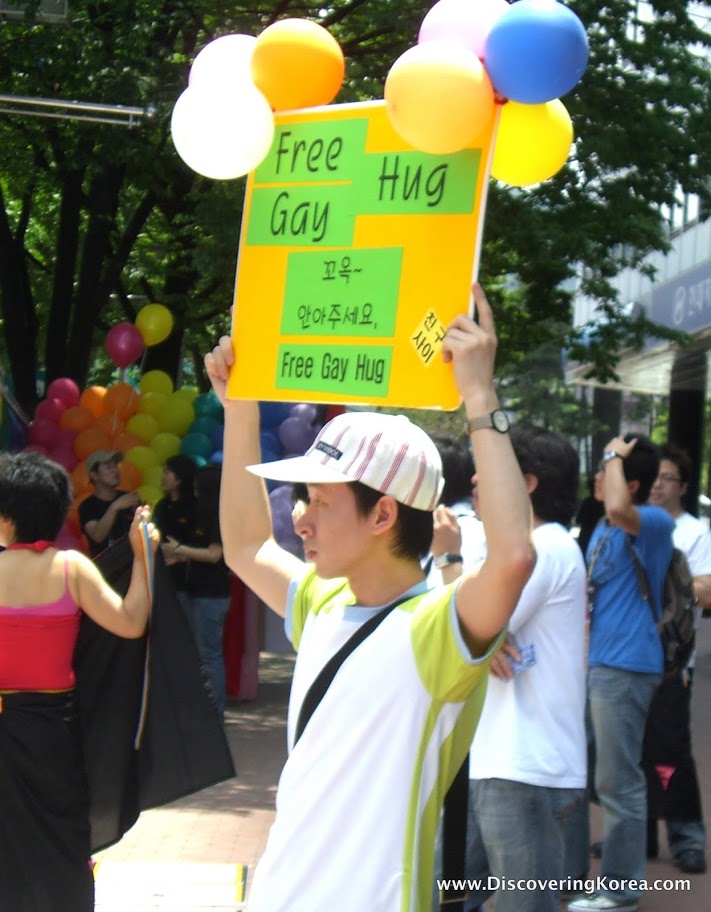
(106, 515)
(371, 756)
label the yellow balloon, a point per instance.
(176, 416)
(143, 426)
(155, 323)
(150, 494)
(152, 476)
(152, 403)
(532, 143)
(439, 97)
(189, 393)
(156, 381)
(142, 457)
(165, 444)
(297, 63)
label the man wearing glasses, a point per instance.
(668, 739)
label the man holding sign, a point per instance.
(378, 726)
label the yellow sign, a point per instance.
(356, 253)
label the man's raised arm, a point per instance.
(245, 514)
(486, 599)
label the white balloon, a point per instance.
(222, 134)
(224, 62)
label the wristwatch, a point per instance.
(497, 420)
(610, 454)
(444, 560)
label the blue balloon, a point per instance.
(536, 51)
(218, 437)
(205, 424)
(273, 413)
(196, 445)
(208, 405)
(216, 458)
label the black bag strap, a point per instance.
(642, 580)
(323, 679)
(454, 840)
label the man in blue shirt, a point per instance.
(625, 660)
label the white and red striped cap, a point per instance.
(385, 452)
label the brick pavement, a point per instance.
(229, 823)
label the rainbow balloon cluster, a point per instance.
(442, 94)
(223, 123)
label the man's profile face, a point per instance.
(334, 533)
(668, 489)
(107, 473)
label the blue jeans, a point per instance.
(206, 617)
(515, 832)
(619, 704)
(686, 834)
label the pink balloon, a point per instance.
(68, 540)
(65, 440)
(65, 389)
(124, 344)
(50, 410)
(463, 21)
(64, 456)
(43, 433)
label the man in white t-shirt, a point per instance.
(528, 761)
(361, 792)
(668, 738)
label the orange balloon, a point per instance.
(112, 424)
(130, 476)
(297, 64)
(77, 418)
(81, 484)
(125, 441)
(73, 515)
(89, 440)
(93, 399)
(123, 399)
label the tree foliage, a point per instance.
(97, 219)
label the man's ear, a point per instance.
(633, 487)
(383, 516)
(531, 482)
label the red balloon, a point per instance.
(42, 432)
(50, 410)
(65, 440)
(63, 388)
(69, 539)
(124, 344)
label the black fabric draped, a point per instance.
(71, 778)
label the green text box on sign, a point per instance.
(352, 370)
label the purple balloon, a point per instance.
(305, 411)
(296, 435)
(124, 344)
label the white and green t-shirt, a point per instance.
(360, 794)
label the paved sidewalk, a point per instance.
(191, 849)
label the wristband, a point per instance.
(444, 560)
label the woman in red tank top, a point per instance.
(44, 796)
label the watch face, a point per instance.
(500, 421)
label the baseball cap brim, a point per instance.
(299, 470)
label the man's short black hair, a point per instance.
(641, 465)
(457, 468)
(35, 494)
(554, 462)
(413, 528)
(681, 459)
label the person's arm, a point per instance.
(211, 554)
(125, 617)
(702, 588)
(619, 506)
(245, 516)
(447, 539)
(486, 598)
(99, 529)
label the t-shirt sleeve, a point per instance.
(447, 668)
(654, 539)
(309, 594)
